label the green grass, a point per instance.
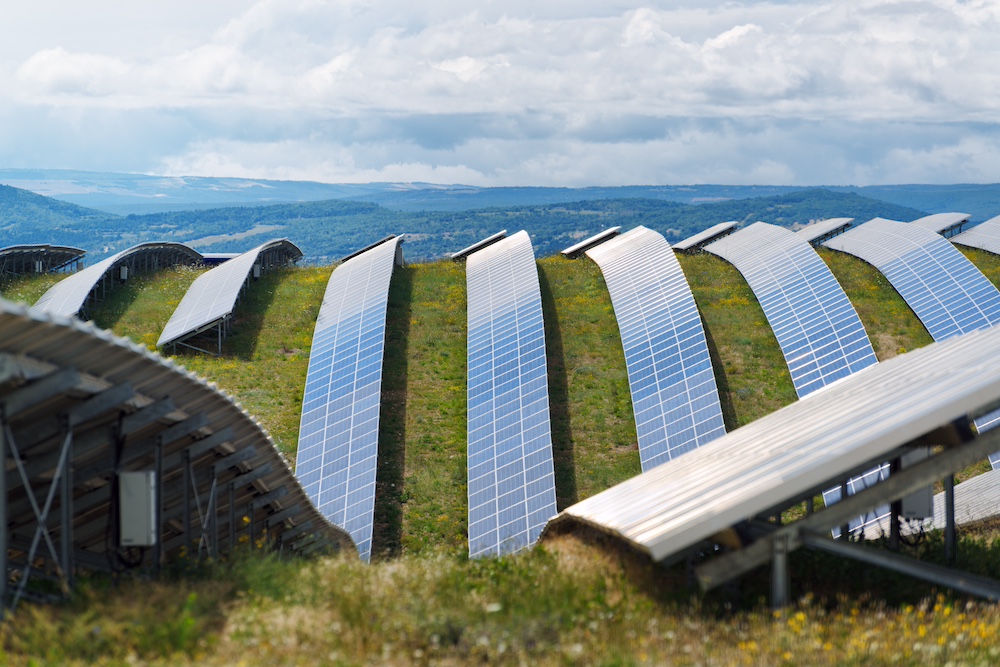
(750, 371)
(593, 431)
(891, 325)
(572, 601)
(28, 289)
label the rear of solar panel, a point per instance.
(674, 396)
(338, 435)
(818, 330)
(511, 474)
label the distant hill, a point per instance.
(328, 230)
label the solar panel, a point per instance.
(947, 292)
(577, 249)
(985, 236)
(704, 237)
(674, 397)
(68, 297)
(781, 458)
(942, 223)
(479, 245)
(338, 434)
(28, 258)
(821, 230)
(818, 330)
(211, 298)
(511, 476)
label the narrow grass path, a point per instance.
(433, 497)
(593, 430)
(892, 326)
(750, 370)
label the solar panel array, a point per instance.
(69, 296)
(338, 435)
(674, 396)
(942, 223)
(985, 236)
(945, 290)
(212, 297)
(818, 330)
(824, 229)
(511, 473)
(706, 236)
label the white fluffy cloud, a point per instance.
(581, 93)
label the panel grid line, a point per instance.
(675, 400)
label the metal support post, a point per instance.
(950, 538)
(3, 514)
(66, 513)
(188, 484)
(779, 573)
(158, 528)
(232, 516)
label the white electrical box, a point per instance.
(137, 503)
(920, 503)
(123, 272)
(256, 271)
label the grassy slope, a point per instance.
(567, 603)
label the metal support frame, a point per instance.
(733, 564)
(950, 538)
(62, 558)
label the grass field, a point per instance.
(573, 601)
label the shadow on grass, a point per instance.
(247, 321)
(387, 537)
(721, 380)
(562, 441)
(119, 298)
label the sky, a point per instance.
(552, 93)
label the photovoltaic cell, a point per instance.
(706, 236)
(942, 223)
(946, 291)
(212, 297)
(69, 296)
(338, 433)
(824, 229)
(818, 330)
(511, 475)
(674, 396)
(985, 236)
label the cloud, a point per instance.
(533, 93)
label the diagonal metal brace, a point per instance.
(736, 563)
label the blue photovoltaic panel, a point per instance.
(945, 290)
(985, 236)
(818, 330)
(674, 397)
(338, 435)
(511, 475)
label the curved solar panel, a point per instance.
(818, 330)
(945, 290)
(69, 296)
(338, 434)
(823, 229)
(674, 396)
(212, 297)
(511, 476)
(985, 236)
(27, 258)
(706, 236)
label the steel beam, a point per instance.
(962, 582)
(733, 564)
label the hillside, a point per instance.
(328, 230)
(570, 602)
